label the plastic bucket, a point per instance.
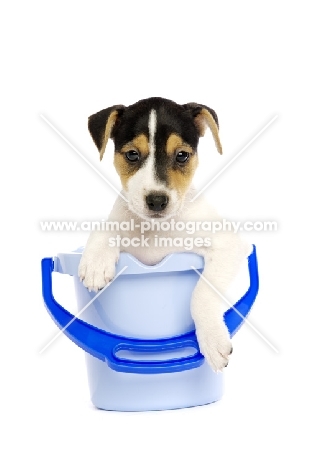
(138, 334)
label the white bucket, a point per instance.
(143, 303)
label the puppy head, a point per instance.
(155, 150)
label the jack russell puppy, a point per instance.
(156, 157)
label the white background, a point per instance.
(67, 60)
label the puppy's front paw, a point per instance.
(215, 345)
(97, 270)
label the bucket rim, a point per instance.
(68, 263)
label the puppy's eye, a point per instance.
(182, 156)
(132, 155)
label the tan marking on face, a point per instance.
(123, 168)
(139, 143)
(179, 178)
(175, 143)
(109, 126)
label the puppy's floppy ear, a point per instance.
(101, 126)
(204, 117)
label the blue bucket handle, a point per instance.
(104, 345)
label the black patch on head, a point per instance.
(133, 123)
(171, 118)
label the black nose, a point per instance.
(156, 201)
